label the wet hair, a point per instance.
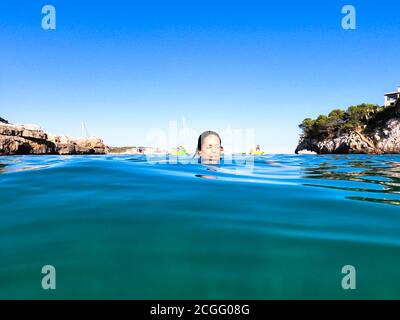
(204, 135)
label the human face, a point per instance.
(210, 152)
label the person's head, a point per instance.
(209, 147)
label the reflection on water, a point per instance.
(377, 175)
(128, 227)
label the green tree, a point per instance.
(363, 116)
(362, 112)
(337, 114)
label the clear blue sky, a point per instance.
(125, 67)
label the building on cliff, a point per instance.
(391, 97)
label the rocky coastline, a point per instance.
(18, 139)
(363, 129)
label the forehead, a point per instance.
(211, 139)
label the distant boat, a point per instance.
(257, 151)
(180, 151)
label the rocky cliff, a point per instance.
(383, 140)
(3, 120)
(31, 139)
(360, 129)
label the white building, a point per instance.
(391, 97)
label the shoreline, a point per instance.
(28, 139)
(361, 129)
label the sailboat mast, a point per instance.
(85, 133)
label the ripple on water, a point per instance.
(188, 230)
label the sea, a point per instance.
(154, 227)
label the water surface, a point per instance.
(127, 227)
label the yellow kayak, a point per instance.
(180, 151)
(257, 153)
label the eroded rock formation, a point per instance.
(385, 139)
(31, 139)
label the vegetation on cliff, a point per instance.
(363, 119)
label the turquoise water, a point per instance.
(126, 227)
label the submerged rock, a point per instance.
(31, 139)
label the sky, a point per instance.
(128, 69)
